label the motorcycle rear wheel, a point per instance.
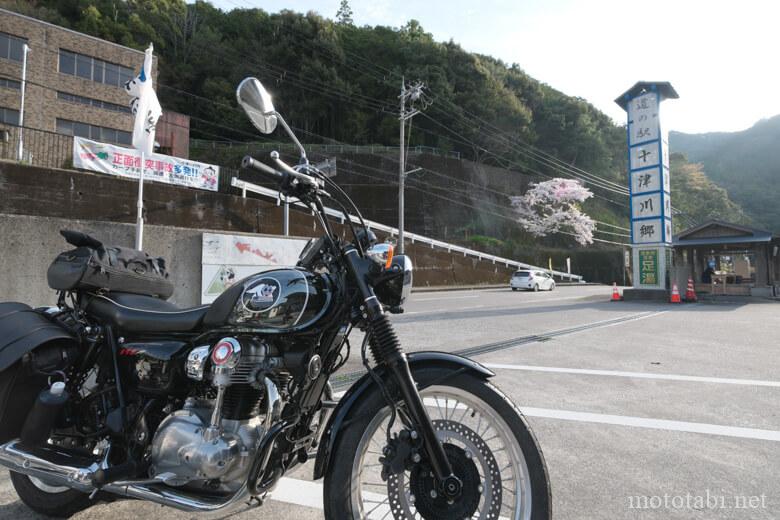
(49, 500)
(485, 436)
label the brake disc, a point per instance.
(472, 461)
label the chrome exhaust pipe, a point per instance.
(167, 496)
(50, 465)
(58, 468)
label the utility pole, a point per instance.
(20, 151)
(413, 93)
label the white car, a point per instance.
(532, 280)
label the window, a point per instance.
(97, 103)
(93, 69)
(83, 66)
(9, 116)
(97, 133)
(9, 83)
(12, 47)
(67, 62)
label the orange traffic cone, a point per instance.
(690, 292)
(615, 293)
(675, 294)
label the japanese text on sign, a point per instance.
(643, 118)
(648, 267)
(126, 162)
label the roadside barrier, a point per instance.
(615, 293)
(690, 292)
(675, 294)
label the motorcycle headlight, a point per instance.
(395, 284)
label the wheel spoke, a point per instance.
(476, 429)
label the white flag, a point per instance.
(145, 106)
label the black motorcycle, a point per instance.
(116, 392)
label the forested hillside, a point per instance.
(744, 163)
(336, 82)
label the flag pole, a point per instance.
(139, 223)
(147, 111)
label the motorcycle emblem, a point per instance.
(261, 295)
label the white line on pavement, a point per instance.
(300, 492)
(444, 298)
(524, 303)
(638, 375)
(655, 424)
(617, 323)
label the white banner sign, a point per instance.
(644, 181)
(643, 206)
(647, 231)
(644, 155)
(652, 231)
(643, 118)
(229, 258)
(126, 162)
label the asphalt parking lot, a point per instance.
(642, 410)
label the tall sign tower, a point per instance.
(648, 183)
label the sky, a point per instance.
(720, 56)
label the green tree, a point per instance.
(344, 14)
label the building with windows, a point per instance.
(727, 258)
(75, 87)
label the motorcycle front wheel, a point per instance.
(488, 443)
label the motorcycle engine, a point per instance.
(211, 442)
(182, 449)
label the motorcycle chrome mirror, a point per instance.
(256, 102)
(382, 254)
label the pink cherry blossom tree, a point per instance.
(554, 207)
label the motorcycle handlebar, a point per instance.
(281, 176)
(301, 177)
(249, 162)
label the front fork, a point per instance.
(386, 349)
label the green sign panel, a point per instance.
(648, 267)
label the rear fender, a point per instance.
(22, 329)
(365, 385)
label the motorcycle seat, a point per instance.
(138, 313)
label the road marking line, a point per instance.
(299, 492)
(444, 298)
(524, 303)
(627, 320)
(638, 375)
(654, 424)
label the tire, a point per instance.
(63, 503)
(514, 288)
(343, 478)
(536, 288)
(552, 287)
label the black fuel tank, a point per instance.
(280, 300)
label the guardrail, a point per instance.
(322, 148)
(413, 237)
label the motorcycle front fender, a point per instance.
(364, 385)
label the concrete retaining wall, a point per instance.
(31, 243)
(35, 203)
